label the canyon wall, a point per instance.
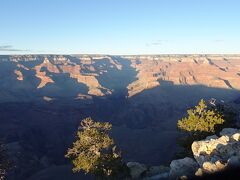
(103, 75)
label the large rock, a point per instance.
(210, 167)
(236, 136)
(183, 167)
(234, 161)
(212, 155)
(212, 137)
(162, 176)
(228, 131)
(205, 150)
(215, 154)
(136, 169)
(155, 170)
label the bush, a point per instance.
(95, 152)
(200, 122)
(201, 119)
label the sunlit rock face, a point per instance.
(217, 153)
(210, 70)
(103, 75)
(211, 155)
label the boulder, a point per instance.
(136, 169)
(183, 167)
(212, 154)
(211, 137)
(234, 161)
(228, 131)
(199, 172)
(207, 150)
(236, 136)
(155, 170)
(210, 167)
(215, 154)
(158, 176)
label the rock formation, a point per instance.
(19, 75)
(209, 70)
(221, 71)
(216, 153)
(211, 155)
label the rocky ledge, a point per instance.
(211, 155)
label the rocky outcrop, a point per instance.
(19, 75)
(42, 75)
(147, 72)
(44, 78)
(89, 79)
(217, 153)
(53, 65)
(183, 167)
(211, 155)
(208, 70)
(141, 171)
(136, 169)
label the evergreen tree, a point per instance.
(200, 122)
(201, 119)
(95, 152)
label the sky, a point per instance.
(119, 27)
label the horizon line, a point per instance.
(106, 54)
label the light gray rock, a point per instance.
(136, 169)
(236, 136)
(155, 170)
(199, 172)
(183, 167)
(234, 161)
(158, 176)
(210, 167)
(205, 150)
(212, 154)
(215, 154)
(228, 131)
(211, 137)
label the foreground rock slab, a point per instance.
(217, 153)
(136, 169)
(183, 167)
(211, 155)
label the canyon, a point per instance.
(43, 98)
(103, 75)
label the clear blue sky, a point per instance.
(119, 26)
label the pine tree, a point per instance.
(95, 152)
(200, 122)
(201, 119)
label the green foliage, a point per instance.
(201, 119)
(200, 122)
(95, 152)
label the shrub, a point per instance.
(95, 152)
(201, 119)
